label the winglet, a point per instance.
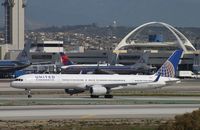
(81, 72)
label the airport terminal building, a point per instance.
(154, 50)
(154, 46)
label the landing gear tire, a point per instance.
(108, 96)
(28, 92)
(29, 96)
(94, 96)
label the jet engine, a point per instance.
(98, 90)
(73, 91)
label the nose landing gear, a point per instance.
(28, 93)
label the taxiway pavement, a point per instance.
(94, 111)
(129, 110)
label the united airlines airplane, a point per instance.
(97, 84)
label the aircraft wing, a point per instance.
(115, 85)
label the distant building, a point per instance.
(156, 49)
(47, 46)
(14, 26)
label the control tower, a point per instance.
(14, 26)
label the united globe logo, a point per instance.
(167, 70)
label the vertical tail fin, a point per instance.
(143, 58)
(23, 58)
(169, 68)
(65, 59)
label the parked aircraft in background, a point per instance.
(96, 84)
(70, 68)
(9, 67)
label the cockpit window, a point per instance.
(18, 79)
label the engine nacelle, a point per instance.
(73, 91)
(98, 90)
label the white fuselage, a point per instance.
(88, 65)
(79, 81)
(162, 82)
(62, 81)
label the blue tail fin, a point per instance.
(169, 68)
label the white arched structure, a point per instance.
(182, 41)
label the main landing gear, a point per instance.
(28, 93)
(108, 96)
(94, 96)
(105, 96)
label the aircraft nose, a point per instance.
(14, 84)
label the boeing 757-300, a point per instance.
(96, 84)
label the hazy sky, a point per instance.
(104, 12)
